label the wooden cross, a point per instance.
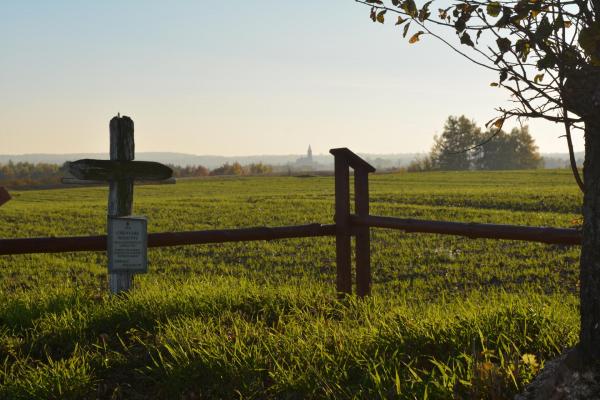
(120, 171)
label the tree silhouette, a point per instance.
(459, 133)
(514, 150)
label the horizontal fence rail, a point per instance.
(98, 243)
(474, 230)
(563, 236)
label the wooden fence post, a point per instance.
(345, 228)
(120, 195)
(342, 223)
(363, 236)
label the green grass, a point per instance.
(450, 317)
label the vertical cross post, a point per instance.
(120, 195)
(363, 236)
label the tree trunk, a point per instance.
(581, 96)
(589, 275)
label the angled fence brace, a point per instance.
(344, 160)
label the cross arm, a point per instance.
(110, 170)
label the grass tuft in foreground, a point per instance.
(226, 338)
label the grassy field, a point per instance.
(450, 317)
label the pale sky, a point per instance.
(231, 78)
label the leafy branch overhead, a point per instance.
(541, 50)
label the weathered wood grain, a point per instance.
(113, 170)
(343, 241)
(85, 182)
(120, 195)
(546, 235)
(363, 235)
(165, 239)
(352, 159)
(122, 145)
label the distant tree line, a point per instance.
(25, 173)
(226, 169)
(464, 146)
(189, 171)
(238, 169)
(35, 174)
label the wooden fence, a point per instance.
(347, 225)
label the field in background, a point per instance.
(450, 316)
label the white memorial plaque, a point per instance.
(128, 244)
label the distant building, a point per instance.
(305, 162)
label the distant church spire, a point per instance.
(309, 153)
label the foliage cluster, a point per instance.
(25, 173)
(237, 169)
(189, 171)
(449, 317)
(545, 52)
(463, 146)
